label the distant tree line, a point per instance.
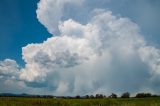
(124, 95)
(97, 96)
(113, 95)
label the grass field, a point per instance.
(13, 101)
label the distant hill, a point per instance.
(14, 95)
(26, 95)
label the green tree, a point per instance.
(125, 95)
(113, 95)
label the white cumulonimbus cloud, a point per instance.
(53, 9)
(103, 55)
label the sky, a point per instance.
(68, 47)
(18, 27)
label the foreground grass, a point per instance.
(13, 101)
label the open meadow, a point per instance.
(22, 101)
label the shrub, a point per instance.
(91, 96)
(100, 96)
(125, 95)
(142, 95)
(87, 96)
(78, 97)
(113, 95)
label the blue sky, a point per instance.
(19, 25)
(70, 47)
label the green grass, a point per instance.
(13, 101)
